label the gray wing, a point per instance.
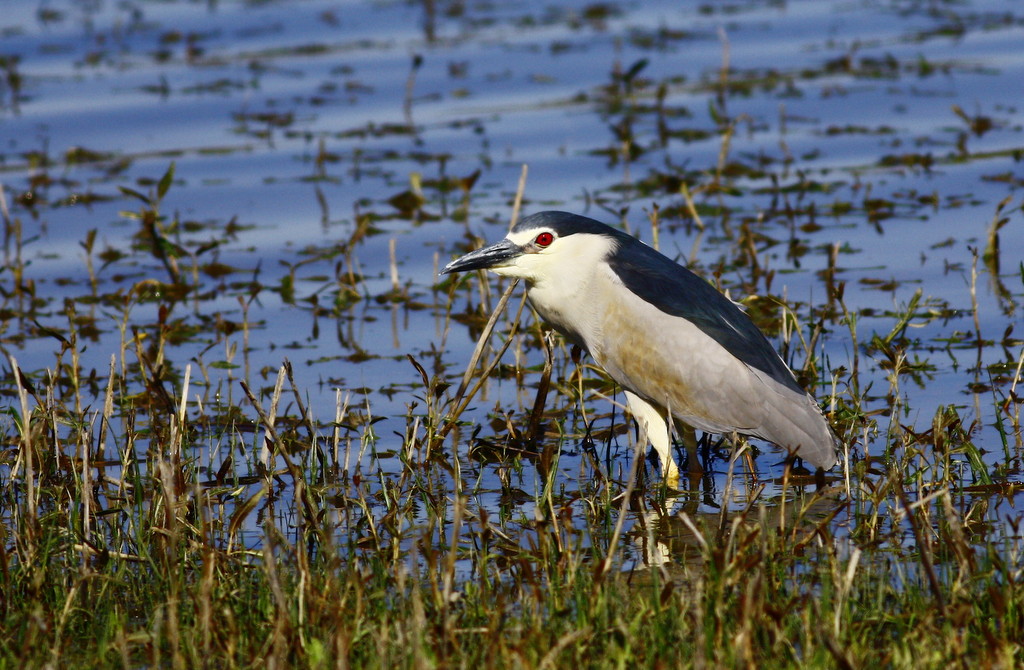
(676, 290)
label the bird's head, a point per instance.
(542, 247)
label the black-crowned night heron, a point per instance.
(670, 339)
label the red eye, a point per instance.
(544, 239)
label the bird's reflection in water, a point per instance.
(675, 529)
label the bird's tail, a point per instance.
(802, 430)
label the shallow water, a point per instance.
(296, 121)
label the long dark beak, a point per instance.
(488, 257)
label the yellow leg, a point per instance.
(694, 470)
